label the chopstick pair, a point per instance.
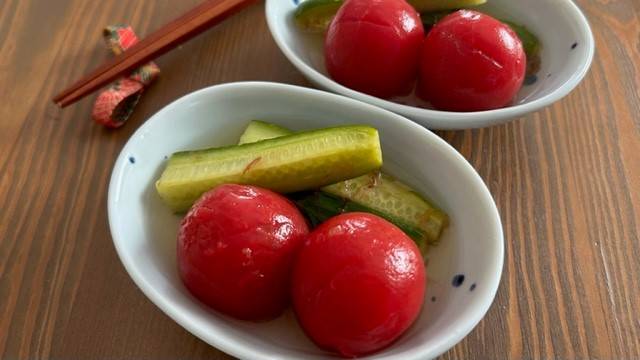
(194, 22)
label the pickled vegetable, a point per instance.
(302, 161)
(315, 15)
(438, 5)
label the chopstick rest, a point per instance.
(115, 104)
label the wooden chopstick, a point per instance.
(197, 20)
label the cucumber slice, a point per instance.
(319, 206)
(316, 15)
(259, 130)
(302, 161)
(438, 5)
(530, 44)
(374, 193)
(384, 194)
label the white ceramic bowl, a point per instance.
(567, 53)
(144, 230)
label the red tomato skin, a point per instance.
(236, 248)
(358, 284)
(471, 62)
(373, 46)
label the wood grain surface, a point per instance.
(566, 181)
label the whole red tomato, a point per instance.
(471, 62)
(358, 284)
(373, 46)
(236, 248)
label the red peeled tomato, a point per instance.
(373, 46)
(358, 284)
(471, 62)
(236, 248)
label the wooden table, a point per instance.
(566, 181)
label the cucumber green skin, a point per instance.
(530, 44)
(424, 228)
(319, 206)
(259, 130)
(438, 5)
(302, 161)
(431, 18)
(316, 15)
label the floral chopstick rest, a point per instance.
(114, 105)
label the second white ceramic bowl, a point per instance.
(567, 52)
